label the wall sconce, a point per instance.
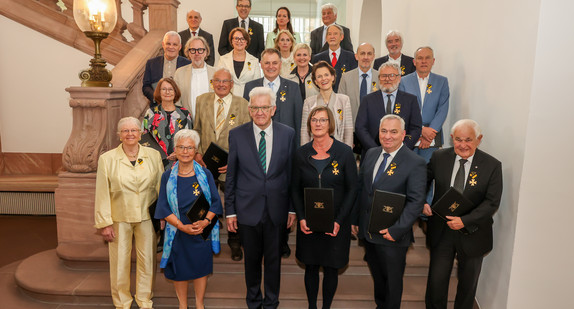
(96, 18)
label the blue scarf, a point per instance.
(171, 191)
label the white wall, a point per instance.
(542, 270)
(34, 112)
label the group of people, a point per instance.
(292, 116)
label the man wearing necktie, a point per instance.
(194, 21)
(467, 238)
(319, 35)
(253, 28)
(392, 168)
(388, 100)
(257, 199)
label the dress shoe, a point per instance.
(285, 251)
(236, 253)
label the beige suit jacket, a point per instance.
(251, 71)
(182, 78)
(350, 86)
(341, 109)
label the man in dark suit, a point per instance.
(194, 20)
(393, 168)
(375, 105)
(288, 102)
(254, 29)
(479, 177)
(341, 60)
(394, 42)
(163, 66)
(257, 200)
(318, 36)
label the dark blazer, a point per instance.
(407, 65)
(186, 35)
(409, 178)
(372, 109)
(485, 194)
(317, 39)
(248, 190)
(154, 72)
(345, 63)
(288, 101)
(257, 44)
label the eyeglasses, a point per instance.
(167, 89)
(239, 40)
(196, 50)
(241, 6)
(132, 131)
(319, 120)
(221, 81)
(389, 76)
(264, 109)
(184, 148)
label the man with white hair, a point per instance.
(318, 36)
(468, 238)
(394, 42)
(257, 202)
(163, 66)
(194, 21)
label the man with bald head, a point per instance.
(194, 21)
(394, 42)
(163, 66)
(468, 238)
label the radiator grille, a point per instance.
(27, 203)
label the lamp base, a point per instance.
(97, 75)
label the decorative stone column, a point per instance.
(162, 14)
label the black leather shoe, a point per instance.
(236, 253)
(286, 251)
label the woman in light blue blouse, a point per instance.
(282, 22)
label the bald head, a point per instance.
(193, 20)
(365, 56)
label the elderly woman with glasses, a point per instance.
(194, 79)
(165, 119)
(243, 66)
(186, 255)
(324, 162)
(127, 183)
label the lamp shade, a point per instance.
(95, 15)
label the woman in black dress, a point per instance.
(324, 163)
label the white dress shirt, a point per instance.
(381, 158)
(199, 85)
(467, 167)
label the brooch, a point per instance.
(429, 88)
(402, 70)
(282, 93)
(340, 112)
(249, 66)
(335, 170)
(292, 65)
(140, 161)
(343, 69)
(196, 191)
(392, 168)
(309, 84)
(231, 119)
(179, 125)
(250, 31)
(472, 180)
(374, 84)
(397, 108)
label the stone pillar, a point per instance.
(162, 14)
(96, 112)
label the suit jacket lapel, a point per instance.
(375, 79)
(396, 160)
(415, 82)
(253, 144)
(209, 113)
(370, 171)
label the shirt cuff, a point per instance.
(231, 216)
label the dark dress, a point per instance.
(339, 174)
(191, 256)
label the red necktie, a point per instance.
(334, 60)
(193, 32)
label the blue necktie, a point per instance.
(363, 91)
(381, 167)
(271, 84)
(263, 152)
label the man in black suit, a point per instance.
(194, 20)
(319, 35)
(163, 66)
(479, 177)
(257, 200)
(376, 104)
(393, 168)
(394, 42)
(254, 29)
(341, 60)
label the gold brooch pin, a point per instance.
(196, 189)
(335, 170)
(392, 168)
(231, 119)
(343, 69)
(473, 179)
(429, 88)
(309, 84)
(374, 84)
(249, 66)
(282, 93)
(340, 112)
(250, 31)
(402, 70)
(397, 108)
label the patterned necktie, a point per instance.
(381, 169)
(219, 119)
(363, 91)
(389, 104)
(243, 24)
(334, 60)
(459, 178)
(263, 152)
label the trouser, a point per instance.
(120, 251)
(387, 266)
(232, 238)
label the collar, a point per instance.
(196, 31)
(275, 82)
(394, 93)
(337, 51)
(469, 159)
(268, 131)
(369, 73)
(225, 99)
(421, 79)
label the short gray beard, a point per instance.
(390, 89)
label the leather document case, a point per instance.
(385, 210)
(215, 157)
(319, 209)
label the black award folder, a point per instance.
(385, 210)
(319, 209)
(452, 203)
(198, 211)
(149, 141)
(214, 158)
